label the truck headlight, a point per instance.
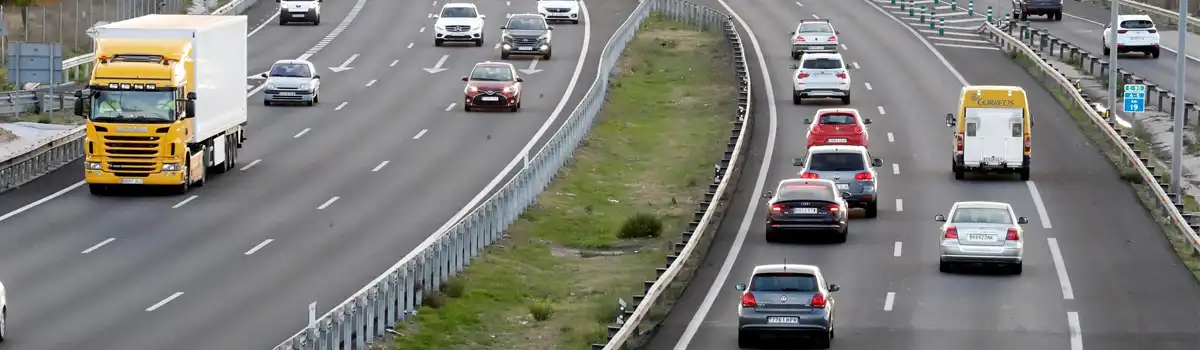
(172, 167)
(92, 165)
(303, 86)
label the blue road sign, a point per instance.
(1135, 106)
(1135, 98)
(34, 63)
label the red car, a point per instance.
(837, 126)
(492, 85)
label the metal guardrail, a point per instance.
(1167, 205)
(395, 295)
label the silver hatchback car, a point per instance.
(786, 300)
(853, 170)
(982, 233)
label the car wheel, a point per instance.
(514, 108)
(796, 99)
(479, 42)
(846, 100)
(503, 55)
(3, 324)
(317, 22)
(1058, 16)
(745, 341)
(317, 97)
(795, 56)
(1024, 16)
(1015, 15)
(309, 103)
(1024, 173)
(466, 107)
(438, 42)
(841, 237)
(945, 267)
(575, 21)
(547, 56)
(518, 102)
(266, 103)
(1015, 269)
(769, 236)
(822, 341)
(1154, 54)
(873, 209)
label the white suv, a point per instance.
(559, 10)
(459, 22)
(1136, 34)
(299, 11)
(821, 75)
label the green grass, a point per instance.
(665, 124)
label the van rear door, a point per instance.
(993, 136)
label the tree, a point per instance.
(24, 5)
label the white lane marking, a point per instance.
(881, 111)
(422, 29)
(890, 300)
(251, 165)
(394, 62)
(1075, 330)
(259, 246)
(40, 201)
(340, 106)
(1060, 268)
(98, 245)
(451, 106)
(372, 82)
(896, 168)
(815, 16)
(896, 249)
(410, 45)
(868, 86)
(799, 4)
(899, 207)
(422, 133)
(921, 38)
(508, 3)
(891, 138)
(328, 203)
(718, 284)
(497, 46)
(184, 202)
(380, 166)
(1037, 203)
(844, 47)
(856, 66)
(164, 301)
(301, 133)
(429, 16)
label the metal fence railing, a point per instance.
(396, 294)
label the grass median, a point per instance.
(554, 281)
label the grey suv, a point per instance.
(526, 34)
(1051, 8)
(851, 168)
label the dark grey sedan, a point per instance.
(786, 301)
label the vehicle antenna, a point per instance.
(785, 264)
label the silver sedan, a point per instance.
(982, 233)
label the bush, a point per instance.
(433, 300)
(641, 225)
(454, 288)
(541, 310)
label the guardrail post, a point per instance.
(1188, 106)
(1092, 64)
(1104, 67)
(1160, 93)
(936, 2)
(953, 4)
(1043, 39)
(989, 14)
(970, 7)
(910, 8)
(942, 26)
(903, 5)
(1171, 95)
(1054, 43)
(922, 13)
(893, 2)
(933, 19)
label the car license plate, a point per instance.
(131, 181)
(298, 15)
(843, 186)
(525, 48)
(491, 98)
(783, 320)
(804, 210)
(975, 237)
(285, 93)
(837, 140)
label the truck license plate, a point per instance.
(491, 98)
(287, 94)
(525, 48)
(131, 181)
(783, 320)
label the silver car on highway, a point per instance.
(851, 168)
(982, 233)
(786, 301)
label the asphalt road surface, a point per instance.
(1098, 272)
(326, 198)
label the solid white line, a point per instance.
(422, 133)
(259, 246)
(1037, 203)
(896, 168)
(1075, 330)
(372, 82)
(301, 133)
(451, 106)
(718, 284)
(815, 16)
(422, 29)
(184, 202)
(881, 111)
(508, 3)
(868, 86)
(264, 24)
(891, 138)
(394, 62)
(380, 166)
(164, 301)
(899, 207)
(896, 250)
(340, 106)
(251, 165)
(40, 201)
(1060, 268)
(799, 4)
(891, 299)
(327, 203)
(98, 245)
(856, 66)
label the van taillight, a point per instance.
(958, 142)
(1027, 143)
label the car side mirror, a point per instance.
(939, 218)
(877, 162)
(867, 121)
(482, 16)
(1022, 220)
(768, 194)
(503, 27)
(798, 161)
(845, 195)
(318, 76)
(264, 75)
(792, 33)
(808, 121)
(837, 32)
(741, 287)
(950, 119)
(464, 78)
(520, 79)
(794, 66)
(834, 288)
(436, 16)
(549, 27)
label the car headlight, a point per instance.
(92, 165)
(439, 27)
(172, 167)
(271, 85)
(472, 89)
(508, 89)
(544, 37)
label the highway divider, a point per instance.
(45, 156)
(397, 294)
(1030, 45)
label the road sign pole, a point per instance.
(1180, 112)
(1112, 58)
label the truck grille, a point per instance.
(131, 146)
(459, 29)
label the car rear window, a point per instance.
(822, 63)
(837, 119)
(815, 28)
(1137, 24)
(802, 192)
(982, 216)
(836, 161)
(783, 282)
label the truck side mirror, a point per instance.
(189, 107)
(79, 104)
(191, 96)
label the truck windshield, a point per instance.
(112, 106)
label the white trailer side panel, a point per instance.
(220, 53)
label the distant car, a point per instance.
(293, 81)
(786, 299)
(821, 75)
(837, 126)
(560, 10)
(982, 233)
(492, 85)
(807, 205)
(307, 11)
(814, 35)
(851, 168)
(1137, 33)
(458, 22)
(526, 34)
(1051, 8)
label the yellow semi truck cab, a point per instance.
(992, 131)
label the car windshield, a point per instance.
(815, 28)
(492, 74)
(982, 216)
(822, 63)
(113, 106)
(805, 191)
(837, 119)
(527, 24)
(836, 161)
(291, 70)
(1137, 24)
(783, 282)
(458, 12)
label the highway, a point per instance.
(1098, 274)
(326, 198)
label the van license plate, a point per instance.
(131, 181)
(992, 159)
(783, 320)
(837, 140)
(804, 210)
(298, 15)
(491, 98)
(285, 93)
(843, 186)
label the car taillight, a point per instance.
(864, 176)
(841, 75)
(816, 129)
(858, 130)
(832, 39)
(1121, 31)
(951, 233)
(775, 208)
(958, 142)
(1012, 235)
(808, 175)
(748, 300)
(818, 301)
(1026, 143)
(799, 39)
(1152, 31)
(834, 208)
(802, 75)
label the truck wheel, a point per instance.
(1024, 172)
(98, 190)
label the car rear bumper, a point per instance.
(785, 227)
(823, 47)
(860, 200)
(1138, 48)
(817, 93)
(1042, 9)
(970, 254)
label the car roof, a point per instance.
(853, 111)
(818, 55)
(1123, 18)
(291, 61)
(787, 182)
(525, 15)
(777, 268)
(494, 64)
(982, 205)
(459, 4)
(836, 149)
